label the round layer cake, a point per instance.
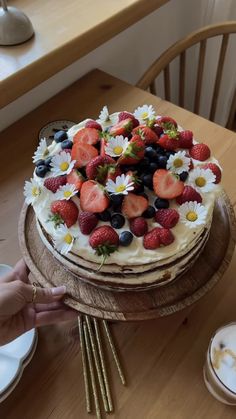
(126, 200)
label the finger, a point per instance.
(21, 270)
(48, 307)
(41, 295)
(54, 316)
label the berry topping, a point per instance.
(122, 128)
(54, 183)
(183, 176)
(41, 170)
(116, 199)
(75, 178)
(134, 205)
(200, 152)
(93, 197)
(87, 222)
(117, 220)
(167, 122)
(166, 236)
(60, 136)
(215, 169)
(87, 136)
(168, 218)
(82, 154)
(185, 139)
(66, 144)
(104, 216)
(126, 115)
(146, 133)
(40, 162)
(189, 194)
(169, 143)
(167, 185)
(93, 124)
(147, 180)
(161, 203)
(150, 152)
(149, 212)
(126, 238)
(105, 240)
(162, 161)
(151, 239)
(64, 212)
(138, 226)
(47, 162)
(98, 167)
(134, 152)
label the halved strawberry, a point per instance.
(134, 205)
(166, 185)
(75, 178)
(82, 154)
(134, 152)
(146, 133)
(168, 142)
(87, 136)
(97, 168)
(122, 128)
(93, 197)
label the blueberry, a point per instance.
(39, 162)
(160, 150)
(139, 188)
(147, 180)
(150, 212)
(183, 176)
(143, 194)
(117, 220)
(143, 164)
(153, 167)
(150, 153)
(60, 136)
(126, 238)
(170, 153)
(41, 170)
(48, 161)
(104, 216)
(66, 144)
(117, 199)
(162, 161)
(161, 203)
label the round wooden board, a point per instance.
(134, 305)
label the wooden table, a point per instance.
(164, 358)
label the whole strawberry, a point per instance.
(97, 168)
(200, 152)
(151, 239)
(134, 152)
(185, 139)
(64, 212)
(54, 183)
(167, 122)
(168, 142)
(125, 115)
(93, 124)
(87, 222)
(138, 226)
(215, 169)
(166, 236)
(168, 217)
(146, 133)
(105, 241)
(189, 194)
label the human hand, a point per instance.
(23, 306)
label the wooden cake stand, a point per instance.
(134, 305)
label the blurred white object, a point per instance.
(15, 26)
(15, 355)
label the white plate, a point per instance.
(15, 355)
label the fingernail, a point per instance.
(58, 290)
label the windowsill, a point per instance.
(64, 32)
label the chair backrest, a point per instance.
(147, 81)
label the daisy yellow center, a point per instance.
(35, 191)
(120, 188)
(68, 238)
(118, 150)
(191, 216)
(64, 166)
(200, 181)
(67, 194)
(178, 162)
(46, 152)
(144, 115)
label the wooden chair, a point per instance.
(147, 81)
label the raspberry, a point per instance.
(189, 194)
(215, 169)
(200, 152)
(138, 226)
(87, 222)
(54, 183)
(168, 218)
(185, 139)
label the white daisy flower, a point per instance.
(66, 192)
(202, 179)
(116, 145)
(61, 164)
(42, 151)
(104, 114)
(106, 119)
(142, 113)
(32, 191)
(178, 163)
(122, 185)
(192, 214)
(63, 239)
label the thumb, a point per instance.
(33, 294)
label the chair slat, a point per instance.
(153, 88)
(232, 113)
(200, 70)
(220, 66)
(182, 78)
(167, 82)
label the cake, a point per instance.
(124, 201)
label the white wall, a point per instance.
(127, 55)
